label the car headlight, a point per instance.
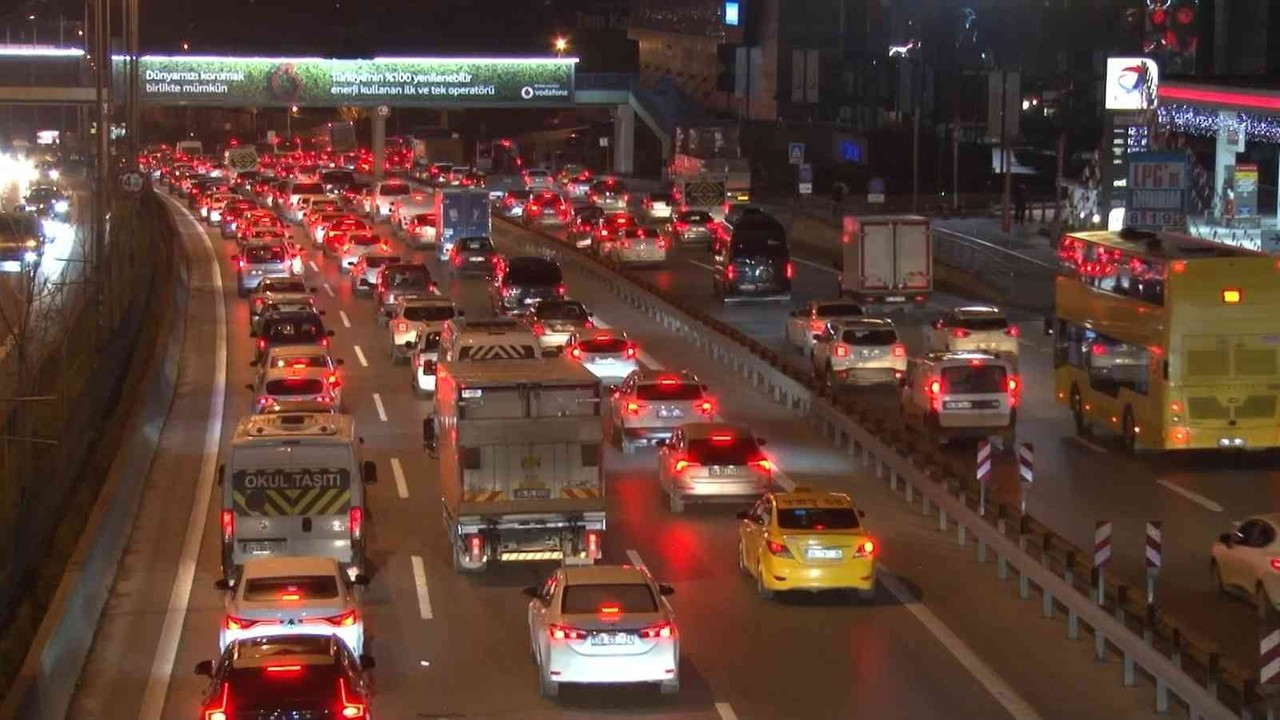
(32, 243)
(30, 256)
(61, 206)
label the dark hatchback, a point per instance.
(474, 256)
(292, 327)
(753, 261)
(525, 281)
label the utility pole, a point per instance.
(102, 56)
(955, 165)
(917, 99)
(1006, 223)
(135, 89)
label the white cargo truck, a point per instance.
(886, 259)
(520, 451)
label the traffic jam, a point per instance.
(524, 389)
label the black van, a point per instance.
(525, 281)
(753, 261)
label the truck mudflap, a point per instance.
(573, 539)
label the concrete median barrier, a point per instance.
(47, 680)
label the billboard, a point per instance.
(1131, 83)
(404, 82)
(1157, 190)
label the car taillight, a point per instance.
(778, 549)
(217, 707)
(866, 548)
(762, 463)
(791, 270)
(731, 271)
(539, 329)
(475, 548)
(346, 619)
(899, 350)
(351, 705)
(959, 333)
(682, 465)
(633, 408)
(561, 289)
(402, 327)
(682, 226)
(593, 544)
(575, 352)
(653, 632)
(935, 387)
(228, 525)
(333, 380)
(265, 400)
(841, 351)
(1098, 349)
(662, 243)
(355, 518)
(1013, 331)
(240, 263)
(706, 407)
(565, 632)
(631, 351)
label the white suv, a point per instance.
(961, 394)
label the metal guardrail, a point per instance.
(1027, 280)
(1180, 666)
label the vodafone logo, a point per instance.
(526, 92)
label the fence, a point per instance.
(58, 386)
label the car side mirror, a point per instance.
(205, 668)
(253, 333)
(462, 313)
(222, 584)
(369, 469)
(360, 579)
(248, 386)
(531, 591)
(660, 442)
(1227, 539)
(862, 513)
(744, 515)
(367, 662)
(761, 442)
(666, 589)
(235, 257)
(339, 361)
(329, 333)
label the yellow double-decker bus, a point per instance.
(1169, 341)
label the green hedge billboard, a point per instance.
(404, 82)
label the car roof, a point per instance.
(291, 315)
(799, 497)
(605, 575)
(288, 373)
(276, 566)
(603, 334)
(651, 376)
(279, 350)
(864, 322)
(255, 653)
(978, 311)
(703, 431)
(962, 356)
(425, 300)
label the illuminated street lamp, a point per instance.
(288, 121)
(561, 44)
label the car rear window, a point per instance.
(592, 599)
(759, 243)
(268, 234)
(302, 331)
(733, 451)
(817, 519)
(839, 310)
(428, 313)
(560, 311)
(294, 386)
(426, 218)
(605, 345)
(336, 177)
(694, 217)
(407, 278)
(307, 188)
(264, 254)
(660, 197)
(394, 189)
(312, 692)
(540, 273)
(363, 239)
(982, 378)
(475, 244)
(538, 173)
(283, 286)
(671, 391)
(300, 361)
(982, 323)
(640, 232)
(518, 194)
(869, 336)
(376, 261)
(612, 187)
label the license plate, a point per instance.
(670, 413)
(747, 287)
(869, 353)
(531, 493)
(605, 360)
(958, 405)
(266, 547)
(896, 298)
(617, 638)
(475, 259)
(717, 470)
(823, 553)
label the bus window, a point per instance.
(1113, 364)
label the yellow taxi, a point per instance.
(807, 540)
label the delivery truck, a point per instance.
(460, 212)
(519, 443)
(886, 259)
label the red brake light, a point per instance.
(217, 709)
(631, 351)
(1098, 349)
(721, 438)
(634, 408)
(705, 407)
(791, 270)
(682, 464)
(356, 520)
(668, 381)
(778, 549)
(959, 333)
(1013, 385)
(1275, 564)
(866, 548)
(402, 327)
(346, 619)
(731, 271)
(539, 329)
(561, 289)
(278, 669)
(610, 609)
(565, 632)
(234, 623)
(935, 387)
(899, 350)
(228, 525)
(682, 226)
(1013, 331)
(351, 705)
(762, 463)
(841, 351)
(664, 630)
(291, 596)
(575, 352)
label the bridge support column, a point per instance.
(379, 123)
(624, 140)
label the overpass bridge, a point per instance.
(31, 75)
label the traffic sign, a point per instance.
(132, 182)
(875, 198)
(795, 153)
(804, 174)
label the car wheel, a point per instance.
(764, 592)
(1077, 412)
(670, 687)
(1215, 579)
(550, 688)
(675, 502)
(1262, 603)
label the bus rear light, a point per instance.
(1175, 407)
(1179, 435)
(899, 350)
(593, 544)
(355, 519)
(475, 548)
(841, 351)
(1232, 296)
(1013, 331)
(228, 525)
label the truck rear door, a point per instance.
(914, 267)
(877, 251)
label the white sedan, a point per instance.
(812, 320)
(607, 353)
(1247, 561)
(297, 595)
(603, 624)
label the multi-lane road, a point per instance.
(943, 638)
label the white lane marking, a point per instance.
(812, 264)
(726, 711)
(1089, 444)
(346, 321)
(1194, 497)
(1003, 693)
(312, 264)
(420, 584)
(329, 290)
(702, 265)
(360, 356)
(648, 360)
(382, 411)
(782, 479)
(402, 488)
(635, 558)
(157, 689)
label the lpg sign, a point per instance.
(1157, 191)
